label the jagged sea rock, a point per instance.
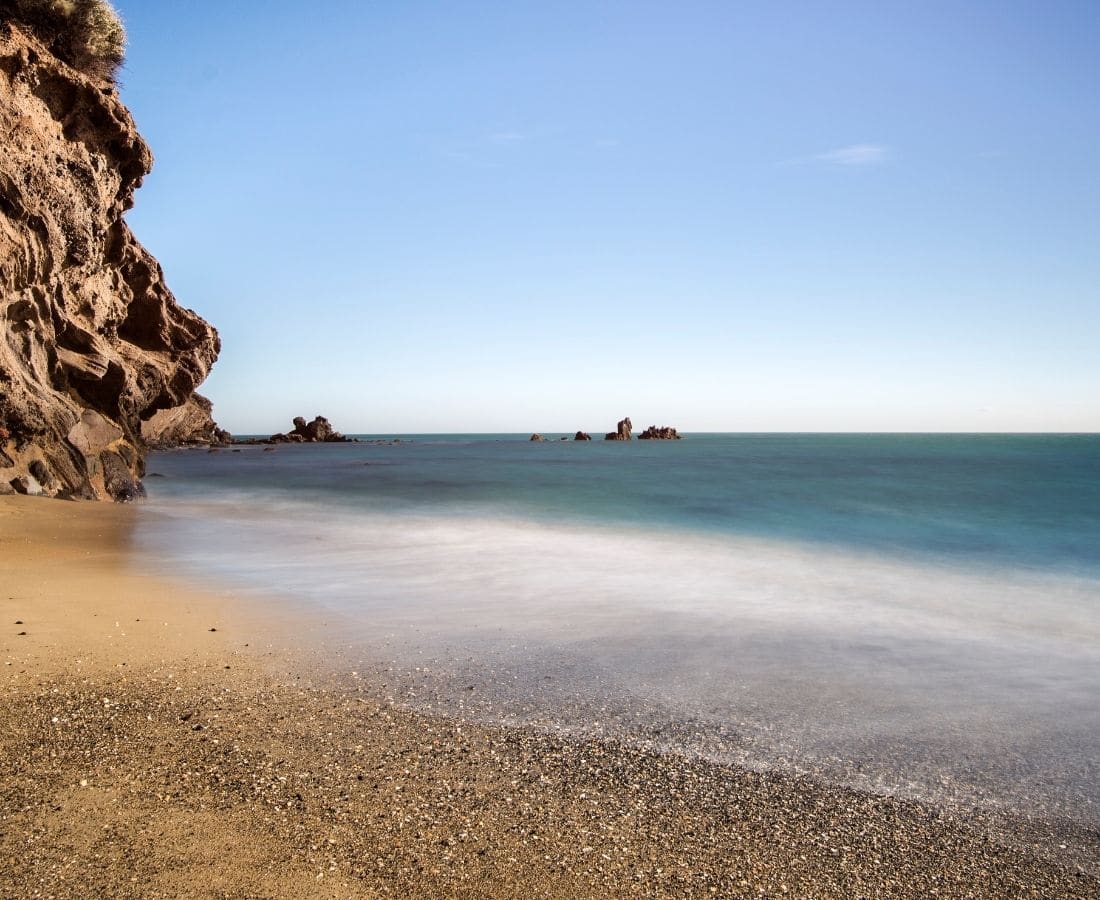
(659, 433)
(536, 437)
(622, 431)
(582, 436)
(92, 342)
(319, 431)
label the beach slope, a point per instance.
(156, 741)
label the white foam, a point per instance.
(520, 569)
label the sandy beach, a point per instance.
(158, 741)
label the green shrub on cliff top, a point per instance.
(87, 34)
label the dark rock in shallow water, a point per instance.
(536, 437)
(582, 436)
(319, 431)
(622, 431)
(659, 433)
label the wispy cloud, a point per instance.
(855, 155)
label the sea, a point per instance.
(909, 614)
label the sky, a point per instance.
(721, 216)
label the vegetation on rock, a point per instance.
(87, 34)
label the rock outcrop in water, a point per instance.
(319, 431)
(582, 436)
(659, 433)
(622, 431)
(97, 360)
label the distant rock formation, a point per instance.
(661, 433)
(582, 436)
(622, 431)
(536, 437)
(93, 345)
(319, 431)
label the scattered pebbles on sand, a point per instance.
(215, 784)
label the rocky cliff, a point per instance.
(97, 360)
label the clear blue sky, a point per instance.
(544, 216)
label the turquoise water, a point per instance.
(915, 614)
(1019, 500)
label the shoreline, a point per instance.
(148, 754)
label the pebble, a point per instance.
(280, 782)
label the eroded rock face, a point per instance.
(93, 346)
(189, 424)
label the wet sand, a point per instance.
(157, 741)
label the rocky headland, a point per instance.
(98, 362)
